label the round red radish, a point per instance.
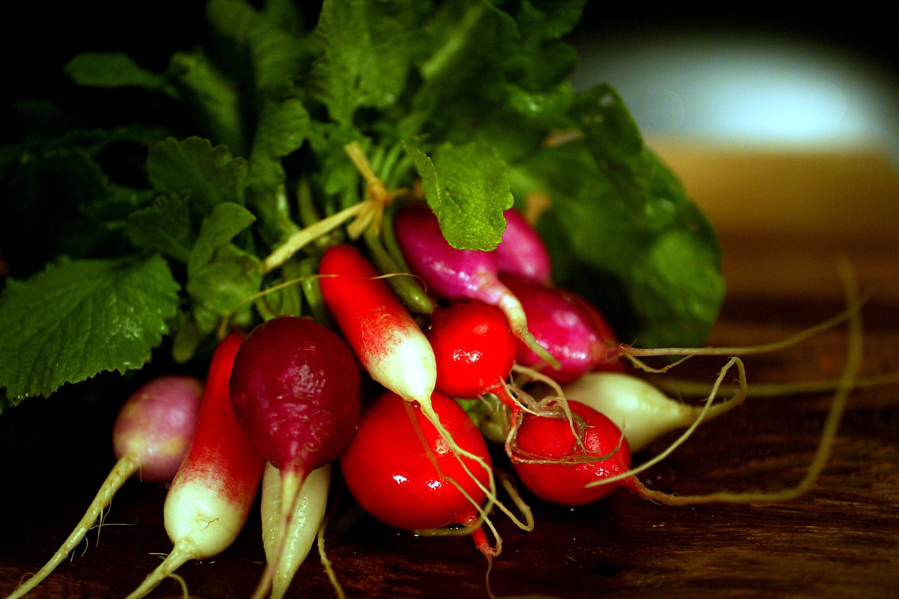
(551, 438)
(389, 466)
(473, 346)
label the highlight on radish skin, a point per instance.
(295, 392)
(305, 522)
(150, 438)
(639, 409)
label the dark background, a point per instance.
(39, 38)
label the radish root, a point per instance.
(845, 386)
(126, 467)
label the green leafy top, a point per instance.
(162, 224)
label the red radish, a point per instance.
(385, 338)
(295, 391)
(553, 464)
(382, 333)
(522, 251)
(400, 470)
(210, 498)
(151, 435)
(559, 322)
(474, 348)
(457, 275)
(475, 351)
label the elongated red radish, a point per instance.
(150, 437)
(385, 338)
(295, 392)
(305, 521)
(638, 408)
(400, 470)
(381, 332)
(558, 467)
(458, 275)
(522, 251)
(210, 498)
(560, 323)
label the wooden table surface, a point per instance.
(841, 539)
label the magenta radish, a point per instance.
(150, 438)
(399, 469)
(562, 325)
(305, 521)
(522, 251)
(295, 392)
(558, 467)
(639, 409)
(458, 275)
(210, 498)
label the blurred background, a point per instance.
(761, 108)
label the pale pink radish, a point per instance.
(209, 500)
(150, 437)
(638, 408)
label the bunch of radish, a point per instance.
(382, 392)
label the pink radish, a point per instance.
(295, 391)
(581, 340)
(151, 435)
(210, 498)
(522, 251)
(456, 275)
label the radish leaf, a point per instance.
(467, 189)
(364, 55)
(207, 175)
(78, 318)
(163, 227)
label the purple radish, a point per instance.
(151, 435)
(522, 251)
(455, 275)
(296, 393)
(561, 323)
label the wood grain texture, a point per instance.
(841, 539)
